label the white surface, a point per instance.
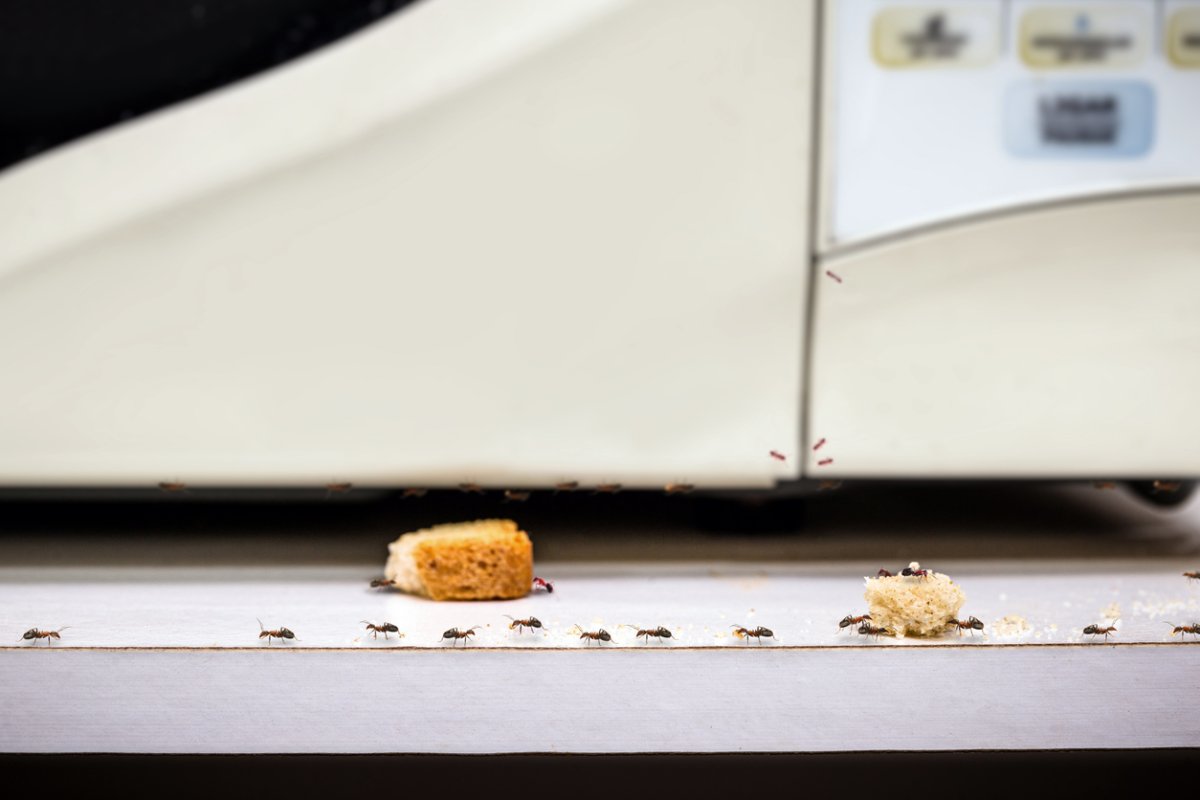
(510, 244)
(1056, 343)
(814, 689)
(912, 147)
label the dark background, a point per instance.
(71, 67)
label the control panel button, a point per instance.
(1074, 37)
(1183, 38)
(935, 36)
(1079, 119)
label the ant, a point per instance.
(512, 496)
(678, 488)
(1097, 630)
(519, 625)
(909, 572)
(413, 493)
(607, 488)
(1192, 576)
(382, 583)
(34, 633)
(820, 443)
(542, 583)
(742, 632)
(280, 633)
(824, 462)
(337, 488)
(385, 629)
(566, 486)
(867, 629)
(594, 636)
(883, 573)
(172, 486)
(850, 619)
(470, 488)
(778, 456)
(1193, 629)
(828, 486)
(455, 634)
(659, 633)
(972, 624)
(1168, 487)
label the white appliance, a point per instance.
(611, 241)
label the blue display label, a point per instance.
(1079, 119)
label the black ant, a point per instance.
(909, 572)
(34, 634)
(1097, 630)
(455, 634)
(1193, 629)
(384, 628)
(659, 633)
(542, 583)
(1192, 576)
(594, 636)
(519, 625)
(867, 629)
(972, 624)
(280, 633)
(883, 573)
(382, 583)
(742, 632)
(850, 619)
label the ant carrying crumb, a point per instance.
(513, 496)
(519, 625)
(1193, 629)
(455, 634)
(594, 636)
(659, 633)
(279, 633)
(742, 632)
(33, 634)
(1098, 630)
(542, 583)
(678, 488)
(385, 628)
(972, 624)
(909, 572)
(867, 629)
(850, 620)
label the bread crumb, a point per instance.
(1010, 625)
(481, 560)
(913, 606)
(1111, 611)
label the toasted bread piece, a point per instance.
(487, 559)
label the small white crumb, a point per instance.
(1011, 625)
(1111, 611)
